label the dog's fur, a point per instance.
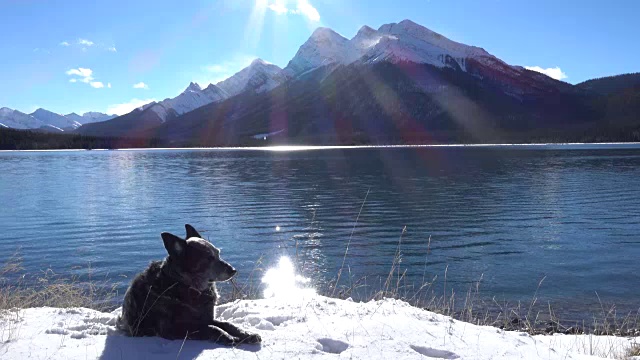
(175, 298)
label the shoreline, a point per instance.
(305, 327)
(599, 145)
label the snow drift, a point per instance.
(305, 328)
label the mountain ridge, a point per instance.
(401, 82)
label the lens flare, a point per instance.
(282, 281)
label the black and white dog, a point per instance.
(174, 298)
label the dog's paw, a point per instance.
(227, 340)
(252, 339)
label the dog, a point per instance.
(175, 298)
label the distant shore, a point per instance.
(599, 145)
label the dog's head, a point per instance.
(196, 259)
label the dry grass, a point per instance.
(532, 316)
(633, 350)
(49, 289)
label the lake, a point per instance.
(509, 215)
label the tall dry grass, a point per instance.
(20, 290)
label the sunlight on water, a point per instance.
(282, 281)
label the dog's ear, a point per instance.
(175, 246)
(191, 232)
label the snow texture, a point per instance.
(18, 120)
(191, 98)
(303, 328)
(42, 118)
(260, 76)
(395, 42)
(55, 120)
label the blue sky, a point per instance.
(77, 56)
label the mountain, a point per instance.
(324, 47)
(48, 121)
(15, 119)
(401, 83)
(395, 42)
(383, 103)
(259, 76)
(611, 84)
(191, 98)
(89, 117)
(135, 124)
(54, 120)
(409, 42)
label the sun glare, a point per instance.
(282, 281)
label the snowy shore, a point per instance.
(304, 328)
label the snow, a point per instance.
(404, 41)
(45, 118)
(92, 116)
(260, 76)
(55, 120)
(18, 120)
(191, 98)
(324, 47)
(304, 327)
(266, 135)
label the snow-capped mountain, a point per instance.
(56, 120)
(89, 117)
(18, 120)
(47, 120)
(191, 98)
(408, 41)
(260, 76)
(403, 41)
(324, 47)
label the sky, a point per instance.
(112, 56)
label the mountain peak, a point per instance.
(259, 61)
(41, 111)
(193, 87)
(365, 30)
(260, 76)
(406, 26)
(325, 33)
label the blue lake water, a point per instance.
(510, 215)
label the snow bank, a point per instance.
(315, 327)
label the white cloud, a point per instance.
(141, 85)
(109, 85)
(279, 7)
(80, 72)
(64, 43)
(84, 75)
(85, 42)
(555, 72)
(124, 108)
(303, 7)
(112, 49)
